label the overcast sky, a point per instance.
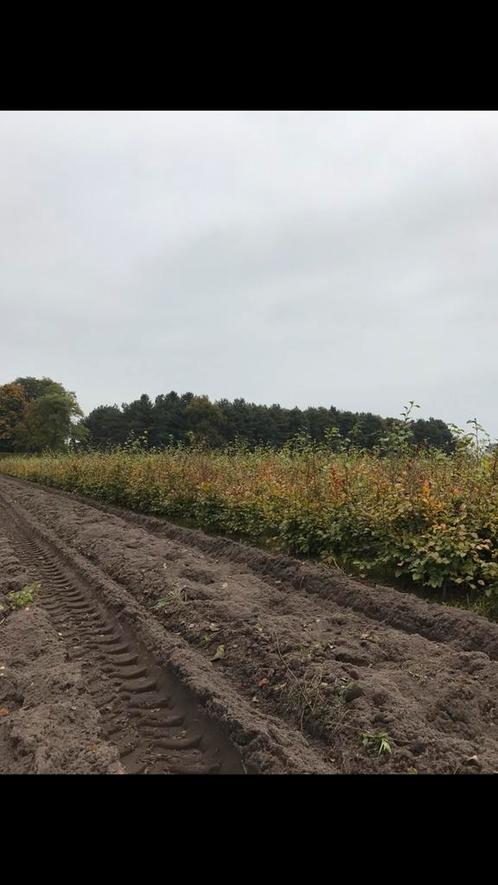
(305, 258)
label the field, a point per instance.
(130, 644)
(133, 642)
(426, 521)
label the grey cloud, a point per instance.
(305, 257)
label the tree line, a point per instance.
(38, 414)
(173, 418)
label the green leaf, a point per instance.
(220, 653)
(162, 602)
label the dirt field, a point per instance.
(156, 649)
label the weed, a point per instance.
(179, 594)
(376, 741)
(24, 597)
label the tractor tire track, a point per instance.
(157, 727)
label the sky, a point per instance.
(306, 258)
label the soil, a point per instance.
(151, 648)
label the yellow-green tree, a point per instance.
(37, 414)
(47, 423)
(13, 404)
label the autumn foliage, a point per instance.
(426, 519)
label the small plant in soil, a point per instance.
(177, 595)
(24, 597)
(376, 741)
(208, 638)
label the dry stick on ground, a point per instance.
(302, 687)
(310, 701)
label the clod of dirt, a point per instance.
(352, 692)
(473, 761)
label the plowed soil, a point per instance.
(157, 649)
